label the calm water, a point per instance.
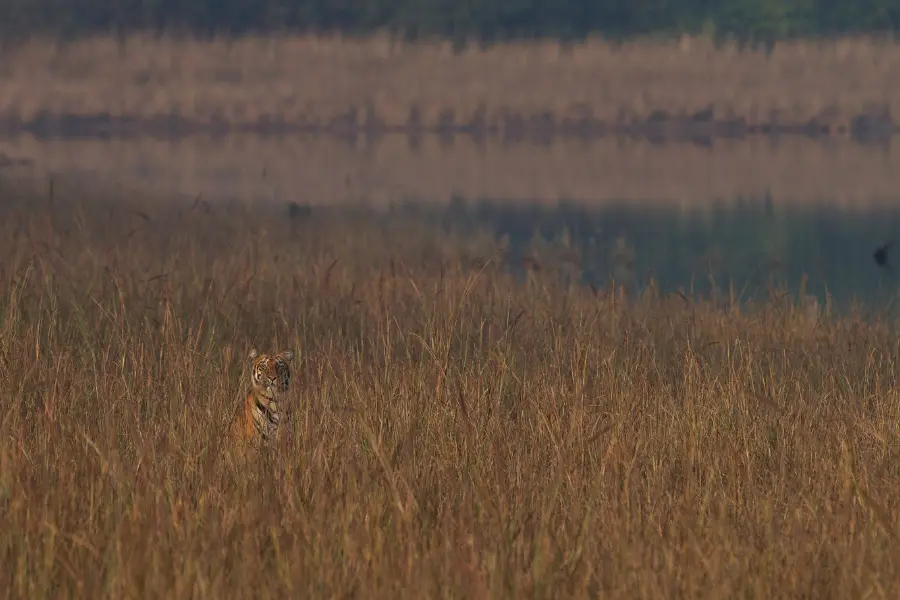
(794, 212)
(752, 244)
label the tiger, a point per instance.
(256, 420)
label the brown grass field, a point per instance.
(454, 432)
(323, 81)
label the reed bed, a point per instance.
(378, 82)
(454, 431)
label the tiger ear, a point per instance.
(287, 355)
(253, 353)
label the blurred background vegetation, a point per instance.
(747, 21)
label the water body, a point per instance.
(748, 248)
(718, 217)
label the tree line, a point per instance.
(460, 20)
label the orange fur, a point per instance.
(256, 422)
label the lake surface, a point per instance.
(694, 217)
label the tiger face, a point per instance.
(270, 374)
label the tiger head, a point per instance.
(270, 374)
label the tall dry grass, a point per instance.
(319, 80)
(454, 432)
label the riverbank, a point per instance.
(688, 88)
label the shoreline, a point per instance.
(542, 128)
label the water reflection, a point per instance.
(327, 171)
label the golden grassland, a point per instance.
(318, 80)
(453, 431)
(324, 170)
